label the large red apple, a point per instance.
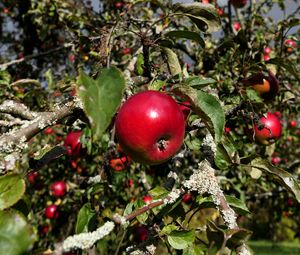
(271, 131)
(58, 188)
(150, 127)
(73, 144)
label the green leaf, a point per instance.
(287, 65)
(5, 78)
(237, 237)
(199, 82)
(207, 107)
(187, 35)
(12, 188)
(253, 95)
(192, 250)
(283, 177)
(238, 205)
(16, 235)
(168, 229)
(49, 78)
(101, 97)
(172, 60)
(205, 16)
(180, 240)
(139, 64)
(158, 192)
(85, 219)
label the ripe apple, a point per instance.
(142, 233)
(266, 85)
(48, 131)
(126, 51)
(32, 177)
(237, 26)
(52, 212)
(187, 198)
(293, 123)
(147, 199)
(290, 44)
(276, 160)
(271, 131)
(238, 3)
(119, 164)
(266, 57)
(227, 130)
(73, 144)
(58, 188)
(267, 50)
(150, 127)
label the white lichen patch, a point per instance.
(209, 141)
(148, 250)
(204, 181)
(172, 196)
(87, 240)
(10, 162)
(244, 251)
(94, 179)
(173, 175)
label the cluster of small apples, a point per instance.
(267, 52)
(290, 45)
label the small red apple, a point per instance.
(187, 198)
(267, 50)
(238, 3)
(73, 144)
(147, 199)
(266, 57)
(130, 183)
(52, 212)
(118, 5)
(293, 123)
(58, 188)
(150, 127)
(227, 130)
(237, 26)
(290, 44)
(220, 11)
(48, 131)
(276, 160)
(119, 164)
(271, 131)
(126, 51)
(142, 233)
(32, 177)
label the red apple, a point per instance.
(276, 160)
(48, 131)
(293, 123)
(238, 3)
(32, 177)
(51, 212)
(58, 188)
(147, 199)
(290, 44)
(266, 85)
(237, 26)
(142, 233)
(118, 5)
(119, 164)
(73, 144)
(267, 50)
(271, 131)
(227, 130)
(266, 57)
(150, 127)
(187, 198)
(126, 51)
